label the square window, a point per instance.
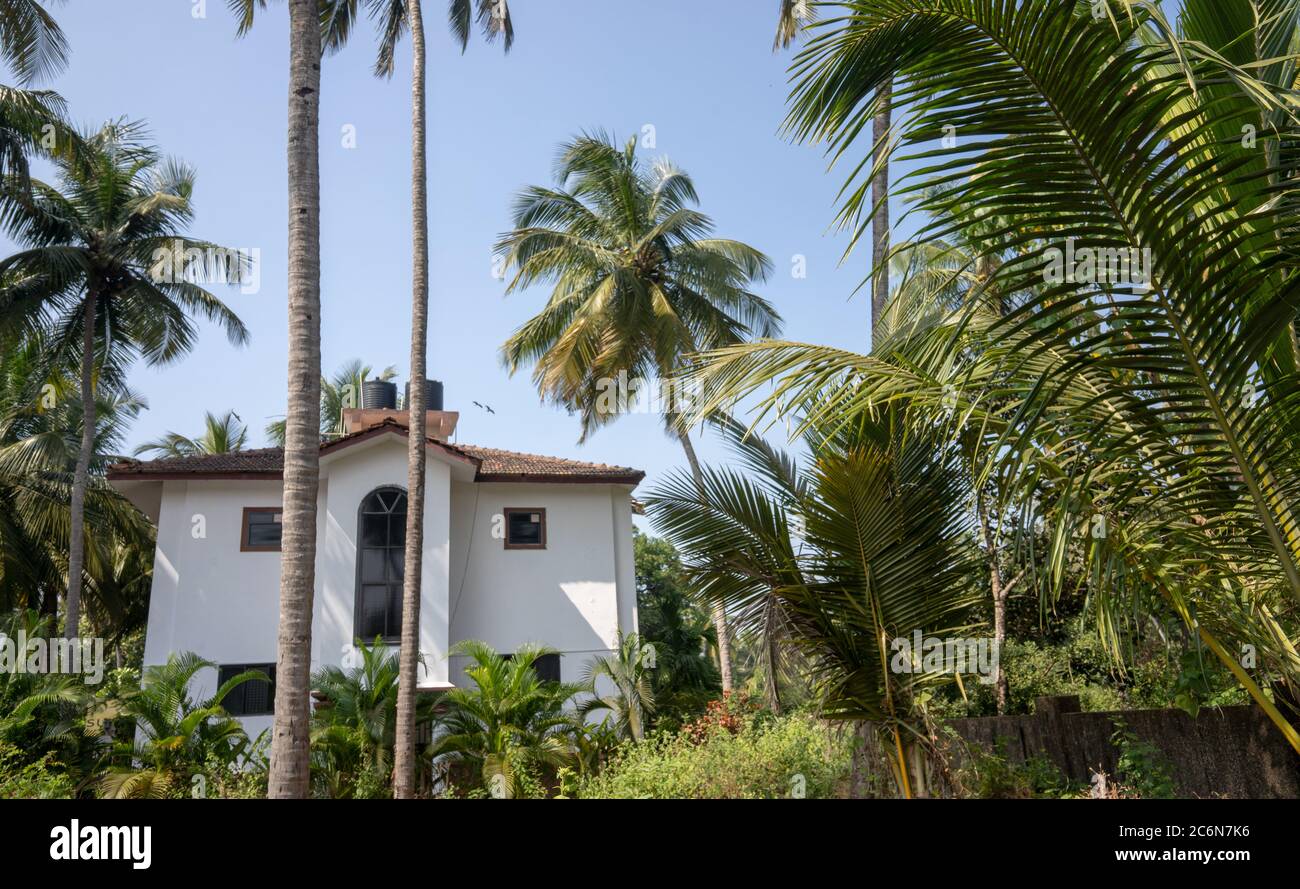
(261, 529)
(253, 698)
(525, 528)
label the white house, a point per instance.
(517, 548)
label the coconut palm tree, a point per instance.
(630, 698)
(510, 724)
(396, 17)
(31, 42)
(96, 269)
(1159, 394)
(883, 551)
(639, 287)
(40, 435)
(290, 742)
(795, 16)
(221, 435)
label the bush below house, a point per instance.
(766, 758)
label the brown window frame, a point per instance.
(510, 510)
(244, 546)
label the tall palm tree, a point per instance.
(639, 287)
(93, 274)
(221, 435)
(795, 16)
(1164, 399)
(396, 17)
(31, 42)
(40, 440)
(290, 741)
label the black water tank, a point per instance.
(379, 394)
(432, 395)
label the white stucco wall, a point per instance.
(208, 597)
(573, 595)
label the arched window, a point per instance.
(381, 555)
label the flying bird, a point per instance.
(486, 407)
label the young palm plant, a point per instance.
(90, 266)
(221, 435)
(629, 696)
(879, 550)
(511, 725)
(639, 287)
(354, 725)
(178, 735)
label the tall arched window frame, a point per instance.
(381, 560)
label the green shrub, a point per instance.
(39, 779)
(766, 759)
(1144, 773)
(985, 775)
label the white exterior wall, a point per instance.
(213, 599)
(208, 597)
(573, 595)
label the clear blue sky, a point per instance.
(702, 74)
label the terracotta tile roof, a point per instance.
(491, 464)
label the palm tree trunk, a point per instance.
(81, 476)
(404, 754)
(880, 200)
(719, 612)
(999, 590)
(289, 774)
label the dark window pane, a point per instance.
(253, 698)
(394, 610)
(524, 528)
(372, 565)
(547, 668)
(374, 609)
(380, 560)
(257, 697)
(263, 529)
(374, 530)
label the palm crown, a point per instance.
(99, 236)
(638, 285)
